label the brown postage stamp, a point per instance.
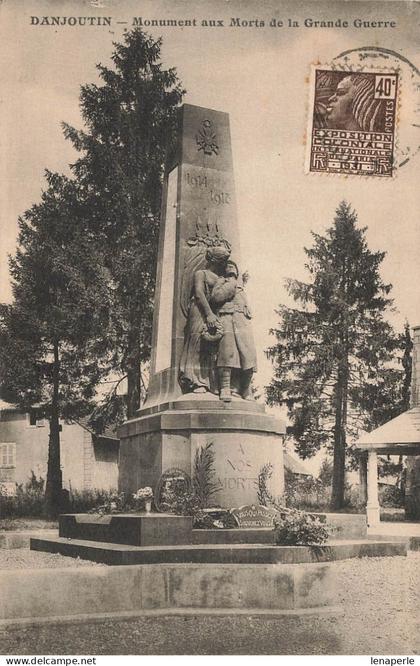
(352, 122)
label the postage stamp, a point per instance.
(352, 122)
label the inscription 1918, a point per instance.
(198, 181)
(220, 197)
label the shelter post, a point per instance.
(372, 508)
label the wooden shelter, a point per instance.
(399, 436)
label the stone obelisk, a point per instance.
(199, 205)
(198, 213)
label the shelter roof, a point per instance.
(7, 405)
(399, 435)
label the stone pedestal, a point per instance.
(135, 529)
(244, 439)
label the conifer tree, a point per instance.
(387, 394)
(130, 119)
(334, 343)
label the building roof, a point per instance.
(6, 405)
(399, 435)
(294, 465)
(110, 432)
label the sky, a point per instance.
(261, 77)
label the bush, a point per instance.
(325, 475)
(310, 494)
(391, 496)
(306, 493)
(297, 528)
(95, 501)
(27, 502)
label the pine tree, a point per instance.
(387, 394)
(383, 398)
(130, 120)
(57, 327)
(334, 343)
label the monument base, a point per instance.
(167, 436)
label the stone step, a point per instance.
(237, 535)
(166, 529)
(11, 540)
(122, 554)
(413, 542)
(345, 525)
(341, 526)
(151, 529)
(70, 592)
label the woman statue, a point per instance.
(197, 368)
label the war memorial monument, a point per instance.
(200, 393)
(203, 350)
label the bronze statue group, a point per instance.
(219, 355)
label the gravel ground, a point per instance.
(31, 559)
(380, 599)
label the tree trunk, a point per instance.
(412, 488)
(53, 488)
(337, 494)
(338, 480)
(363, 478)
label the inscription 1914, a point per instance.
(196, 181)
(217, 197)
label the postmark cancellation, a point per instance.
(352, 122)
